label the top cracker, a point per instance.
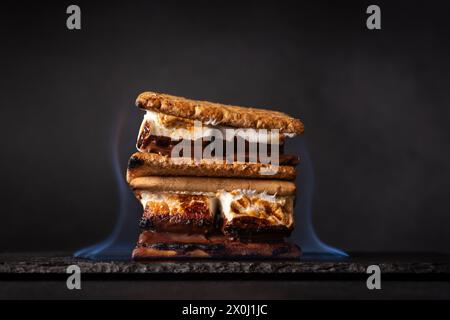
(216, 113)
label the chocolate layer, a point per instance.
(164, 146)
(153, 245)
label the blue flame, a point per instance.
(304, 233)
(119, 244)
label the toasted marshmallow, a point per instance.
(175, 199)
(180, 128)
(262, 208)
(178, 212)
(274, 210)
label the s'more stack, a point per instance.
(213, 180)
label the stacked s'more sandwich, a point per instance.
(213, 180)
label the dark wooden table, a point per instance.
(404, 276)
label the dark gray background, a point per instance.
(375, 105)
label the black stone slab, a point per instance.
(404, 276)
(357, 263)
